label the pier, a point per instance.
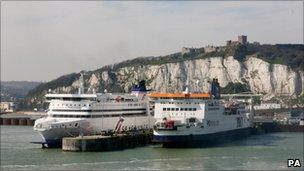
(268, 127)
(107, 143)
(20, 118)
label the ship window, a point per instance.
(182, 109)
(164, 109)
(173, 109)
(186, 109)
(168, 109)
(176, 109)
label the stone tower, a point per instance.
(242, 39)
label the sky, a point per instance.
(41, 41)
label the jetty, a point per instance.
(107, 143)
(20, 118)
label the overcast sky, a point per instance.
(41, 41)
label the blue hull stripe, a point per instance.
(207, 138)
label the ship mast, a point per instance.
(81, 84)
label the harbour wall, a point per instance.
(107, 143)
(269, 127)
(17, 121)
(20, 118)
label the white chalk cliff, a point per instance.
(262, 77)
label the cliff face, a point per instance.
(261, 76)
(272, 70)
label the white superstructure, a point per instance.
(198, 117)
(84, 114)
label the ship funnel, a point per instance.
(140, 90)
(215, 88)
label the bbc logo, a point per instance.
(293, 163)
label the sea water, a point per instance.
(258, 152)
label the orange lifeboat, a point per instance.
(179, 95)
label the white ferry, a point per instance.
(87, 114)
(187, 119)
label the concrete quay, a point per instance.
(268, 127)
(107, 143)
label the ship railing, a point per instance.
(159, 128)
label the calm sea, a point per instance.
(258, 152)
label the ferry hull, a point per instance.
(53, 137)
(201, 139)
(53, 143)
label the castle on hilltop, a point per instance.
(242, 40)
